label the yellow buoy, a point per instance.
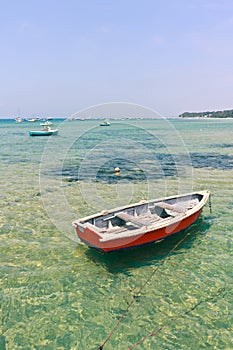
(117, 171)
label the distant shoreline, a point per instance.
(124, 119)
(214, 114)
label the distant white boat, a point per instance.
(19, 120)
(46, 123)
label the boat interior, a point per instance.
(141, 214)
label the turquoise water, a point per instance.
(58, 294)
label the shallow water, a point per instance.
(59, 294)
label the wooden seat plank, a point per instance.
(130, 218)
(164, 205)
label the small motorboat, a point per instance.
(105, 123)
(19, 120)
(33, 120)
(45, 132)
(47, 123)
(140, 223)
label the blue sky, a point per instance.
(58, 57)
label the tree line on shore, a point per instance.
(214, 114)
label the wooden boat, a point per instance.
(140, 223)
(45, 132)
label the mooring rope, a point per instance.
(192, 308)
(210, 204)
(137, 295)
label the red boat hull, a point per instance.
(92, 239)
